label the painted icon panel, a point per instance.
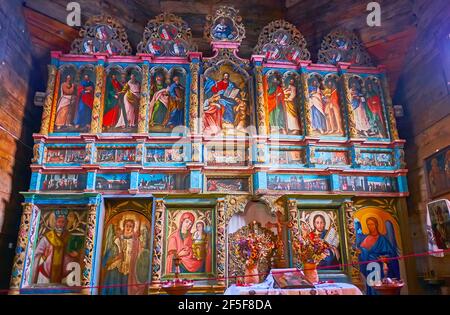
(58, 255)
(75, 98)
(125, 268)
(437, 170)
(122, 98)
(190, 237)
(168, 98)
(377, 237)
(325, 112)
(324, 224)
(282, 98)
(366, 102)
(226, 102)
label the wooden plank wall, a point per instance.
(136, 13)
(18, 120)
(424, 93)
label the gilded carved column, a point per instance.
(158, 241)
(193, 109)
(221, 241)
(22, 241)
(354, 270)
(260, 103)
(47, 111)
(87, 274)
(145, 100)
(294, 232)
(97, 107)
(390, 109)
(307, 106)
(348, 101)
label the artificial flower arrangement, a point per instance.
(310, 249)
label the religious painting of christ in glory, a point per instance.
(225, 102)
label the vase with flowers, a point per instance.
(310, 250)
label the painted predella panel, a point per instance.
(125, 268)
(190, 236)
(368, 184)
(297, 182)
(226, 102)
(227, 184)
(287, 156)
(112, 181)
(366, 102)
(122, 98)
(374, 158)
(58, 255)
(224, 155)
(168, 99)
(170, 154)
(75, 98)
(325, 157)
(437, 170)
(157, 182)
(64, 182)
(282, 99)
(325, 112)
(65, 155)
(116, 155)
(377, 237)
(325, 224)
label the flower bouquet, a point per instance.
(310, 251)
(249, 249)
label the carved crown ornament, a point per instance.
(225, 25)
(167, 35)
(342, 45)
(102, 34)
(282, 41)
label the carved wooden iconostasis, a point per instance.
(166, 152)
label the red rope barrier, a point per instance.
(340, 266)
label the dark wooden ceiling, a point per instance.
(388, 44)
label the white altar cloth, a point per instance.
(320, 289)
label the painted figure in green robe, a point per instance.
(159, 102)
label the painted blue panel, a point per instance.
(402, 184)
(260, 180)
(91, 181)
(196, 180)
(35, 181)
(134, 180)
